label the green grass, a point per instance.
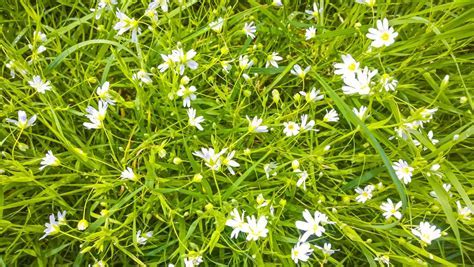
(188, 215)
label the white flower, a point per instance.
(256, 228)
(125, 24)
(361, 113)
(261, 201)
(229, 162)
(277, 3)
(331, 116)
(269, 169)
(52, 227)
(446, 187)
(217, 25)
(291, 128)
(370, 3)
(298, 71)
(312, 96)
(184, 59)
(39, 37)
(250, 29)
(193, 261)
(403, 171)
(348, 67)
(388, 82)
(103, 4)
(303, 176)
(431, 138)
(426, 232)
(427, 114)
(255, 125)
(226, 66)
(168, 61)
(142, 76)
(364, 194)
(151, 11)
(312, 225)
(305, 125)
(49, 160)
(244, 62)
(272, 60)
(383, 259)
(96, 116)
(310, 33)
(38, 84)
(128, 174)
(301, 252)
(383, 35)
(210, 157)
(315, 12)
(62, 218)
(390, 209)
(82, 225)
(326, 249)
(103, 93)
(23, 122)
(187, 93)
(359, 84)
(142, 239)
(237, 222)
(463, 212)
(163, 4)
(193, 120)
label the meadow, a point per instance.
(236, 133)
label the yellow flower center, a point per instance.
(385, 36)
(352, 67)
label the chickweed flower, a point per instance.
(388, 82)
(38, 84)
(301, 252)
(187, 93)
(49, 160)
(383, 35)
(142, 76)
(426, 232)
(193, 260)
(361, 113)
(305, 125)
(446, 188)
(168, 62)
(39, 37)
(255, 125)
(359, 84)
(237, 222)
(229, 162)
(298, 71)
(269, 169)
(250, 29)
(331, 116)
(348, 67)
(184, 59)
(312, 225)
(96, 116)
(125, 24)
(103, 5)
(217, 25)
(364, 194)
(315, 12)
(52, 227)
(303, 176)
(256, 228)
(128, 174)
(272, 60)
(312, 96)
(403, 171)
(464, 213)
(23, 122)
(310, 33)
(210, 157)
(193, 120)
(291, 128)
(143, 238)
(326, 249)
(390, 209)
(103, 93)
(244, 62)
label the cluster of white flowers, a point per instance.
(53, 227)
(253, 227)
